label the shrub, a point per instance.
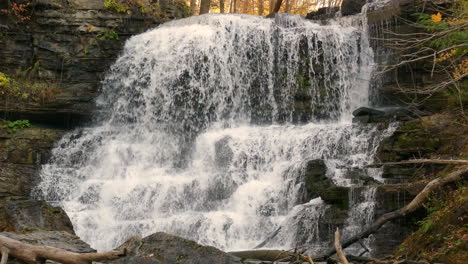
(12, 126)
(25, 88)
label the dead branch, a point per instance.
(416, 203)
(339, 251)
(5, 251)
(33, 254)
(423, 161)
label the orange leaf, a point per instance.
(436, 18)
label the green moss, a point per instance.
(303, 81)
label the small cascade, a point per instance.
(209, 122)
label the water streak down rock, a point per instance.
(267, 95)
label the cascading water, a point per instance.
(209, 121)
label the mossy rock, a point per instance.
(24, 214)
(162, 248)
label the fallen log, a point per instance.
(422, 161)
(264, 255)
(416, 203)
(269, 238)
(33, 254)
(275, 256)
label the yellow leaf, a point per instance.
(436, 18)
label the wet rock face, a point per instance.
(21, 155)
(411, 140)
(70, 43)
(348, 8)
(352, 7)
(24, 214)
(162, 248)
(223, 152)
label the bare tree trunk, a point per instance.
(205, 6)
(276, 8)
(193, 7)
(245, 8)
(416, 203)
(234, 9)
(32, 254)
(261, 7)
(287, 8)
(221, 6)
(272, 4)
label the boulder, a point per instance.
(162, 248)
(385, 115)
(317, 184)
(23, 214)
(366, 111)
(323, 13)
(352, 7)
(223, 152)
(348, 7)
(360, 177)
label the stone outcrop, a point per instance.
(317, 184)
(22, 214)
(348, 8)
(162, 248)
(21, 155)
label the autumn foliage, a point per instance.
(20, 11)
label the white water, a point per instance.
(205, 138)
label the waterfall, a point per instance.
(206, 124)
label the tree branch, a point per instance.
(416, 203)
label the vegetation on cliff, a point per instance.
(437, 48)
(443, 236)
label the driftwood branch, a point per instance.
(416, 203)
(339, 251)
(33, 254)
